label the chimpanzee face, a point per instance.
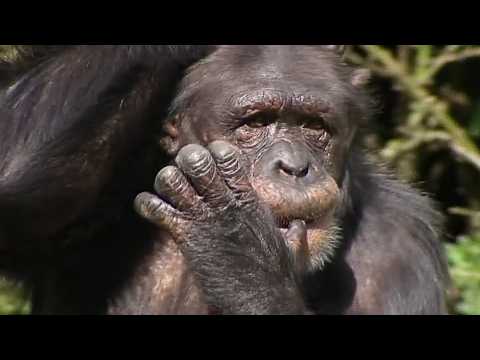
(293, 112)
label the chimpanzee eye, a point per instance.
(260, 120)
(315, 124)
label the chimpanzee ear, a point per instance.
(339, 49)
(169, 139)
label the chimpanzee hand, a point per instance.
(230, 241)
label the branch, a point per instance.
(397, 148)
(461, 142)
(465, 274)
(464, 212)
(448, 58)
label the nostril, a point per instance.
(299, 171)
(304, 172)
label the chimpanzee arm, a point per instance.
(67, 122)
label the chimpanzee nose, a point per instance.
(297, 169)
(292, 161)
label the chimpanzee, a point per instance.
(265, 202)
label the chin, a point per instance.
(322, 245)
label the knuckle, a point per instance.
(223, 150)
(192, 155)
(167, 176)
(171, 178)
(147, 205)
(196, 160)
(228, 160)
(167, 173)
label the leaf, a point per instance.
(465, 269)
(474, 124)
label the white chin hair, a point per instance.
(323, 251)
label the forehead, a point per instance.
(301, 63)
(293, 70)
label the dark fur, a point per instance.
(77, 144)
(391, 235)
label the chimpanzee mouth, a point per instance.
(315, 206)
(283, 223)
(323, 238)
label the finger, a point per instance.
(297, 241)
(227, 158)
(158, 212)
(174, 187)
(198, 165)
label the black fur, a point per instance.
(391, 256)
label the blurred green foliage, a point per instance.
(13, 299)
(465, 270)
(428, 129)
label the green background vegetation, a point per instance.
(428, 131)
